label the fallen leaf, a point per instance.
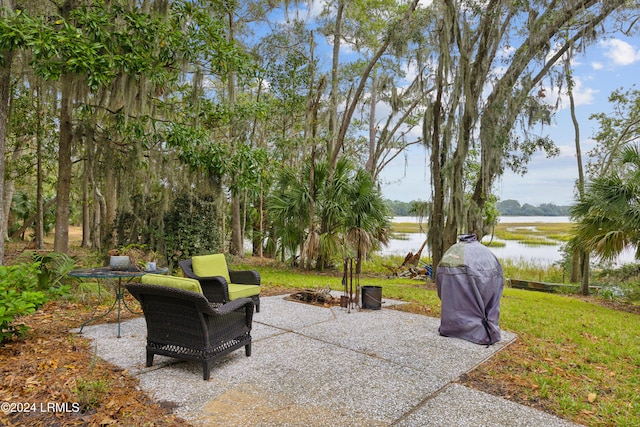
(592, 397)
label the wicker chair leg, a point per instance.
(247, 350)
(256, 302)
(149, 358)
(206, 370)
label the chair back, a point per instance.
(173, 316)
(210, 266)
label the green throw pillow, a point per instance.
(172, 281)
(210, 265)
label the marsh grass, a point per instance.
(535, 233)
(408, 227)
(494, 244)
(538, 242)
(400, 236)
(573, 357)
(529, 270)
(532, 234)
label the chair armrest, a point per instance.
(244, 277)
(215, 288)
(187, 269)
(233, 306)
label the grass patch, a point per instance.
(578, 359)
(400, 236)
(90, 393)
(408, 227)
(538, 242)
(529, 270)
(535, 233)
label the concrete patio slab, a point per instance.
(316, 366)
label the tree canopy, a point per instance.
(272, 121)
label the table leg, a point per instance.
(120, 291)
(103, 315)
(119, 298)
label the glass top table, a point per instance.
(106, 273)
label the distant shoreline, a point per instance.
(504, 219)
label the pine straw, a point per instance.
(54, 366)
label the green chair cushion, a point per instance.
(210, 265)
(172, 281)
(242, 291)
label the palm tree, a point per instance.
(288, 208)
(608, 216)
(349, 213)
(366, 222)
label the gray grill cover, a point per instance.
(470, 282)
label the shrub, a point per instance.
(26, 286)
(52, 270)
(192, 227)
(18, 297)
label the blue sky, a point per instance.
(607, 65)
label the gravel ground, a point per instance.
(315, 366)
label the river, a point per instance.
(516, 251)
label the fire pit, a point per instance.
(321, 297)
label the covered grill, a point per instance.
(470, 282)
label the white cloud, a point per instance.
(582, 95)
(620, 52)
(597, 65)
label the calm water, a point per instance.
(543, 255)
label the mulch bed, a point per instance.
(52, 378)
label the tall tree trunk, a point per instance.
(5, 91)
(39, 227)
(312, 211)
(236, 228)
(86, 211)
(436, 220)
(237, 247)
(584, 287)
(335, 81)
(87, 188)
(99, 218)
(111, 200)
(371, 163)
(576, 258)
(63, 187)
(310, 134)
(580, 258)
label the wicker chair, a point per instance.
(184, 325)
(218, 288)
